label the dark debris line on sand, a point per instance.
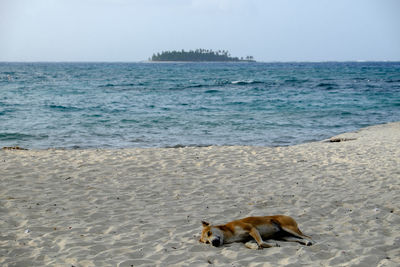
(13, 148)
(339, 139)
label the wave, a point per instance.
(244, 82)
(63, 108)
(327, 86)
(195, 86)
(119, 85)
(129, 121)
(213, 84)
(294, 81)
(6, 111)
(20, 136)
(220, 83)
(107, 85)
(393, 81)
(212, 91)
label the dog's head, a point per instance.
(211, 235)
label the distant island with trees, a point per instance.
(199, 55)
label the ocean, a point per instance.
(124, 105)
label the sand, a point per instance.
(143, 207)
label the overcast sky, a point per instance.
(132, 30)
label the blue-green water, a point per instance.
(112, 105)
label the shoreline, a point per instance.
(144, 206)
(335, 138)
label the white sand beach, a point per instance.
(143, 207)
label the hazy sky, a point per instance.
(132, 30)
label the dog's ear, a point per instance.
(205, 224)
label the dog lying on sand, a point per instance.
(279, 227)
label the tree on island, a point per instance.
(199, 55)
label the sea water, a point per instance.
(122, 105)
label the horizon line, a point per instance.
(149, 61)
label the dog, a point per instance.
(278, 227)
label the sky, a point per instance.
(132, 30)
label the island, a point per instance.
(199, 55)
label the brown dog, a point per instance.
(278, 227)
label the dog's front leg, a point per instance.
(261, 244)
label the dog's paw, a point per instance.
(269, 245)
(252, 245)
(309, 243)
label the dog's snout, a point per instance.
(216, 242)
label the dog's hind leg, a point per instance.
(297, 239)
(297, 236)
